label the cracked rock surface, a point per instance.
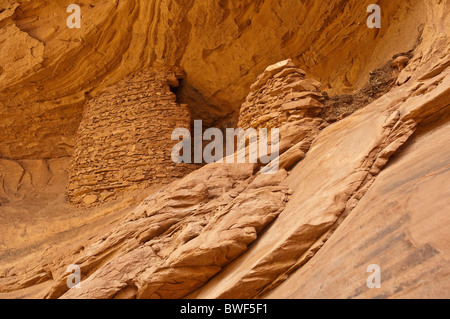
(369, 188)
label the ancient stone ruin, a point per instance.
(124, 139)
(280, 94)
(92, 205)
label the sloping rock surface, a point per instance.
(371, 188)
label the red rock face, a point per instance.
(281, 94)
(50, 71)
(399, 224)
(367, 188)
(124, 139)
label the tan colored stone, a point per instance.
(400, 225)
(90, 199)
(305, 103)
(187, 230)
(269, 72)
(53, 70)
(134, 135)
(274, 94)
(400, 62)
(360, 146)
(226, 231)
(291, 157)
(300, 95)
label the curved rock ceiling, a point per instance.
(363, 166)
(48, 71)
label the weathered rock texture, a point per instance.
(280, 94)
(180, 237)
(371, 188)
(400, 224)
(341, 166)
(124, 140)
(48, 71)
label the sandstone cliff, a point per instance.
(85, 117)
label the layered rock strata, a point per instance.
(331, 183)
(226, 231)
(124, 139)
(401, 224)
(183, 235)
(372, 188)
(280, 94)
(48, 71)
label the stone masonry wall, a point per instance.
(280, 94)
(124, 139)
